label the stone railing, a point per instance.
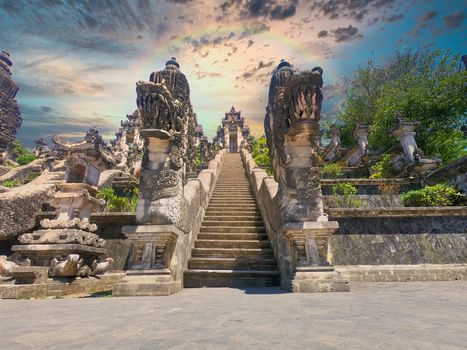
(160, 253)
(290, 241)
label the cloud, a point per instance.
(393, 18)
(428, 16)
(254, 28)
(267, 9)
(343, 34)
(454, 20)
(352, 9)
(253, 71)
(323, 33)
(201, 75)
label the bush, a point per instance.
(21, 154)
(345, 195)
(440, 195)
(332, 171)
(115, 203)
(25, 159)
(12, 183)
(383, 169)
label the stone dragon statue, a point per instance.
(293, 133)
(168, 126)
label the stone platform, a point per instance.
(420, 315)
(58, 287)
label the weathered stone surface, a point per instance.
(366, 201)
(400, 236)
(19, 207)
(10, 116)
(60, 286)
(403, 273)
(22, 172)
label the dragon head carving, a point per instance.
(168, 126)
(292, 130)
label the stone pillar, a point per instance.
(405, 133)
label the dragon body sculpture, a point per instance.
(168, 127)
(293, 133)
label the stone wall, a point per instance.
(399, 236)
(454, 174)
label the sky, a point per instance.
(76, 62)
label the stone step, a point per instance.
(247, 208)
(232, 201)
(234, 236)
(232, 193)
(237, 198)
(232, 252)
(221, 217)
(228, 229)
(215, 223)
(230, 278)
(223, 243)
(233, 205)
(232, 263)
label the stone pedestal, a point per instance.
(309, 248)
(405, 133)
(150, 266)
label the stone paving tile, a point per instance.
(415, 315)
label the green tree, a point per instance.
(425, 86)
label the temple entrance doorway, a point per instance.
(233, 143)
(76, 174)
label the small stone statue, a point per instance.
(99, 268)
(69, 267)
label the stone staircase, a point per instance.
(232, 248)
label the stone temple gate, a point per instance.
(233, 132)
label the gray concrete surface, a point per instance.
(416, 315)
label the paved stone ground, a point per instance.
(415, 315)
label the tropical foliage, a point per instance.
(440, 195)
(260, 153)
(427, 86)
(118, 203)
(345, 195)
(332, 171)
